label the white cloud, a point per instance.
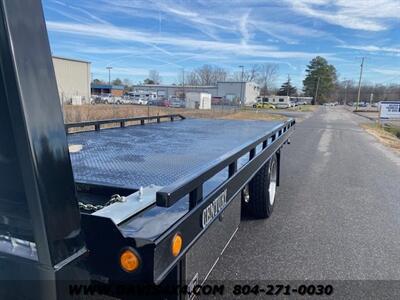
(368, 15)
(371, 48)
(387, 72)
(140, 72)
(244, 30)
(129, 35)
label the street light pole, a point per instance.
(241, 87)
(109, 75)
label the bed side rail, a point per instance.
(123, 121)
(193, 185)
(193, 224)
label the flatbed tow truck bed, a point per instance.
(158, 153)
(150, 204)
(171, 174)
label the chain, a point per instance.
(90, 207)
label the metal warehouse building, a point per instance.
(175, 90)
(116, 90)
(73, 79)
(233, 90)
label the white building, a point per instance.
(198, 100)
(247, 92)
(73, 79)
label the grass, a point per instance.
(395, 130)
(101, 112)
(388, 135)
(252, 115)
(304, 108)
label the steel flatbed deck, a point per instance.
(158, 153)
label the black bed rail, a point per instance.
(193, 185)
(191, 226)
(122, 121)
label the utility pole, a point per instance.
(316, 91)
(109, 74)
(345, 93)
(241, 86)
(359, 83)
(287, 89)
(183, 83)
(371, 98)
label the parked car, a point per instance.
(166, 103)
(156, 102)
(140, 101)
(282, 105)
(217, 100)
(264, 105)
(125, 100)
(95, 99)
(107, 99)
(302, 102)
(178, 103)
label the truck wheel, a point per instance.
(262, 190)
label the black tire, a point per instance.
(261, 201)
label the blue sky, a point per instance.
(136, 36)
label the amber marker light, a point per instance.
(176, 245)
(129, 260)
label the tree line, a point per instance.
(320, 82)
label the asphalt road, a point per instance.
(337, 212)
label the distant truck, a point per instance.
(196, 100)
(145, 208)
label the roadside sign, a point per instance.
(389, 110)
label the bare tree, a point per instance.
(205, 74)
(155, 76)
(264, 74)
(208, 75)
(347, 90)
(268, 74)
(191, 78)
(251, 73)
(219, 74)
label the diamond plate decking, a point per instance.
(157, 153)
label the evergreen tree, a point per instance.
(287, 89)
(319, 68)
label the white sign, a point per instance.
(389, 110)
